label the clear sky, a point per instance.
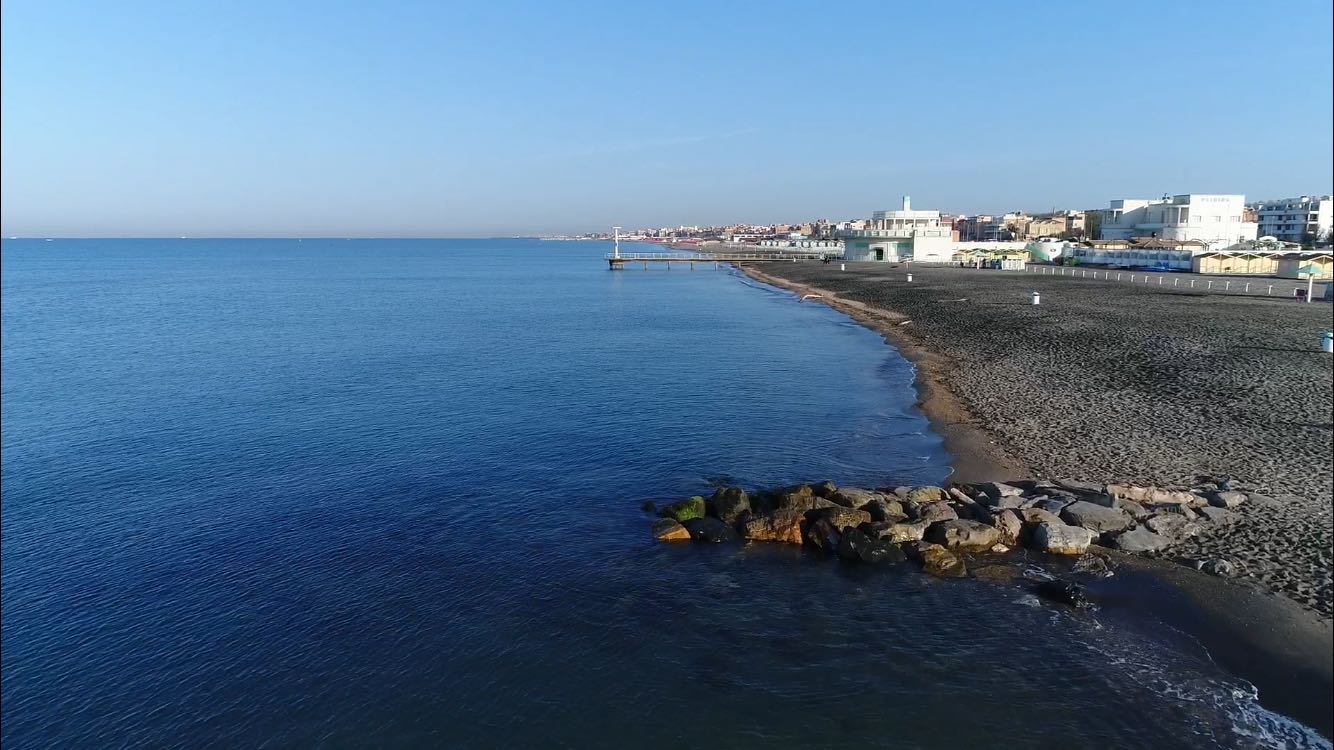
(434, 118)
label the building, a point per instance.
(1305, 220)
(1215, 220)
(903, 235)
(1167, 255)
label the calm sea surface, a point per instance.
(386, 493)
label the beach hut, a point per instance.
(1306, 266)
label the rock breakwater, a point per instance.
(941, 528)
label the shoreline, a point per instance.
(1283, 649)
(976, 456)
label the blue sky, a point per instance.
(429, 119)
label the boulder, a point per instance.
(1217, 516)
(822, 534)
(898, 532)
(825, 489)
(1218, 567)
(1038, 515)
(1152, 495)
(997, 490)
(882, 509)
(925, 495)
(1173, 526)
(1227, 499)
(1054, 504)
(1078, 487)
(803, 502)
(778, 526)
(710, 530)
(730, 503)
(1008, 526)
(936, 560)
(995, 574)
(964, 534)
(839, 516)
(1139, 539)
(1095, 518)
(1061, 539)
(932, 512)
(856, 546)
(854, 497)
(1130, 508)
(684, 510)
(668, 530)
(1065, 592)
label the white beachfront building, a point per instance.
(1296, 219)
(1216, 220)
(903, 235)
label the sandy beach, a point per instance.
(1112, 382)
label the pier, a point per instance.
(618, 261)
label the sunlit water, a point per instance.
(386, 493)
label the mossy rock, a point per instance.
(684, 510)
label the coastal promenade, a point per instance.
(1114, 381)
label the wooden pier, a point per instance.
(618, 261)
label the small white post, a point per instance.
(1211, 285)
(842, 266)
(1248, 287)
(1118, 277)
(1271, 290)
(1192, 283)
(1176, 282)
(1310, 286)
(1037, 299)
(910, 278)
(1227, 286)
(1327, 342)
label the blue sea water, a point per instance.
(386, 493)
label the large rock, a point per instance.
(1008, 526)
(1065, 592)
(937, 560)
(1054, 504)
(925, 495)
(1139, 539)
(1147, 495)
(839, 516)
(995, 491)
(730, 503)
(1062, 539)
(684, 510)
(825, 489)
(1227, 499)
(779, 526)
(1095, 518)
(856, 546)
(854, 497)
(803, 502)
(964, 534)
(710, 530)
(882, 509)
(932, 512)
(668, 530)
(898, 533)
(1173, 526)
(1038, 515)
(822, 534)
(1079, 487)
(1218, 516)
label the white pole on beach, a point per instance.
(1310, 286)
(909, 277)
(1037, 299)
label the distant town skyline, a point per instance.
(527, 118)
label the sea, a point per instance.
(363, 493)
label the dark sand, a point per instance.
(1108, 381)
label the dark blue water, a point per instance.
(385, 493)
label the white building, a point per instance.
(1216, 220)
(1294, 219)
(903, 235)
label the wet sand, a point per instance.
(1111, 382)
